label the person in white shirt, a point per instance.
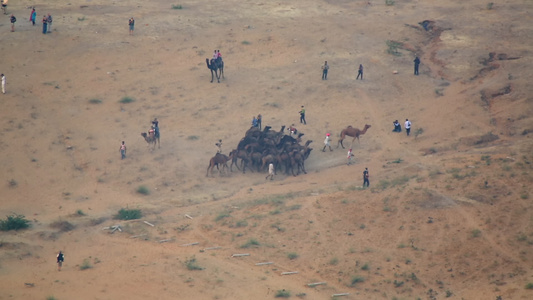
(3, 83)
(270, 171)
(326, 143)
(407, 126)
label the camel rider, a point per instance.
(219, 56)
(219, 146)
(151, 132)
(215, 55)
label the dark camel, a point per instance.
(353, 132)
(150, 139)
(218, 159)
(217, 68)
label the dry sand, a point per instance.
(449, 210)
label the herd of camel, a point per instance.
(257, 149)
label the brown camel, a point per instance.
(218, 159)
(150, 139)
(353, 132)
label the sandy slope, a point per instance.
(448, 212)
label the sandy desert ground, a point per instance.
(449, 211)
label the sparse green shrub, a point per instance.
(128, 214)
(192, 137)
(524, 196)
(251, 243)
(398, 283)
(143, 190)
(81, 19)
(476, 233)
(529, 286)
(365, 267)
(127, 99)
(418, 132)
(14, 222)
(63, 226)
(283, 294)
(242, 223)
(292, 255)
(192, 264)
(86, 264)
(490, 5)
(389, 2)
(222, 215)
(357, 279)
(334, 261)
(80, 213)
(448, 294)
(393, 47)
(178, 6)
(245, 43)
(51, 298)
(95, 101)
(12, 183)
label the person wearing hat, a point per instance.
(350, 155)
(326, 143)
(365, 178)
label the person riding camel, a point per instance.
(151, 132)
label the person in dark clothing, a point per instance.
(60, 259)
(365, 178)
(259, 121)
(302, 116)
(325, 69)
(13, 19)
(360, 72)
(417, 63)
(397, 126)
(45, 24)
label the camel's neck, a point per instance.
(364, 130)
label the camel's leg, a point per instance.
(212, 77)
(340, 143)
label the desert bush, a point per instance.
(365, 267)
(283, 294)
(222, 215)
(393, 47)
(12, 183)
(14, 222)
(251, 243)
(334, 261)
(357, 279)
(192, 264)
(128, 214)
(127, 99)
(143, 190)
(475, 233)
(86, 264)
(292, 255)
(245, 43)
(51, 298)
(63, 226)
(80, 213)
(95, 101)
(241, 223)
(389, 2)
(177, 6)
(529, 286)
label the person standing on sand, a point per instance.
(49, 19)
(45, 24)
(13, 20)
(417, 63)
(60, 259)
(270, 171)
(360, 72)
(407, 126)
(325, 69)
(33, 15)
(3, 77)
(365, 178)
(122, 150)
(302, 116)
(350, 155)
(259, 120)
(254, 122)
(326, 143)
(131, 23)
(4, 6)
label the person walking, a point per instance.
(60, 259)
(365, 178)
(417, 63)
(259, 121)
(123, 150)
(33, 15)
(45, 24)
(131, 23)
(407, 126)
(350, 155)
(270, 171)
(302, 116)
(360, 72)
(49, 19)
(326, 143)
(325, 69)
(4, 6)
(3, 77)
(13, 20)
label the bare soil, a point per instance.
(448, 212)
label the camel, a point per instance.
(218, 159)
(217, 67)
(353, 132)
(150, 139)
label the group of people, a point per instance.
(257, 121)
(153, 132)
(325, 69)
(398, 127)
(217, 55)
(47, 20)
